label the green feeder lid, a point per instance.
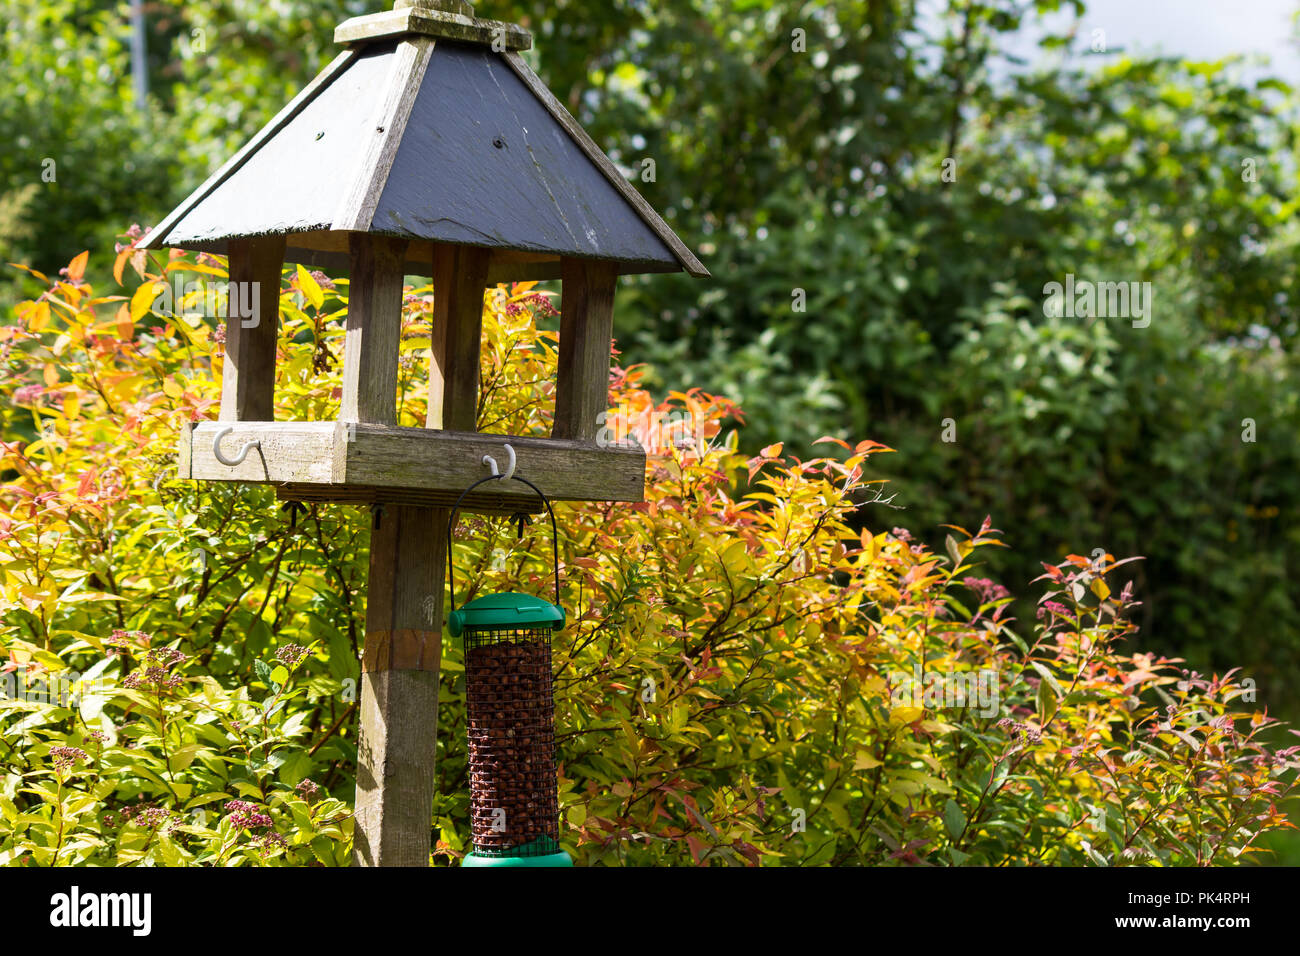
(507, 611)
(530, 854)
(560, 859)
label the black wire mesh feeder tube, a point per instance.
(510, 717)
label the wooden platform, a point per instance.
(365, 464)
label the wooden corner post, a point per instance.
(460, 274)
(252, 322)
(586, 335)
(374, 330)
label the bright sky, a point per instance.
(1201, 29)
(1192, 29)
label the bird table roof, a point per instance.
(434, 140)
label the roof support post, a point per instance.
(252, 321)
(374, 330)
(586, 338)
(459, 278)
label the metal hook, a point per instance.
(510, 464)
(243, 452)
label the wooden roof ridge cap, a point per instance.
(688, 260)
(223, 172)
(431, 21)
(356, 208)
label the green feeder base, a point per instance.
(551, 859)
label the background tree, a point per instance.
(803, 148)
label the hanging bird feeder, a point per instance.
(510, 716)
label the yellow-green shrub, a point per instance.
(727, 690)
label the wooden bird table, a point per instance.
(428, 147)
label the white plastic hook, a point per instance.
(510, 464)
(243, 452)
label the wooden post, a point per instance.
(408, 561)
(459, 277)
(398, 740)
(248, 377)
(374, 330)
(586, 334)
(398, 737)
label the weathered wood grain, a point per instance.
(322, 249)
(459, 25)
(337, 461)
(440, 460)
(408, 550)
(248, 372)
(401, 650)
(514, 271)
(357, 205)
(309, 452)
(482, 503)
(460, 274)
(184, 450)
(586, 335)
(463, 7)
(374, 330)
(398, 734)
(396, 749)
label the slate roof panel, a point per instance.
(482, 162)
